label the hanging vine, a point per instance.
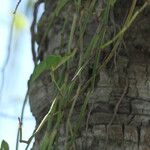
(94, 56)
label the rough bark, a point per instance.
(126, 80)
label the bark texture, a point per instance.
(125, 81)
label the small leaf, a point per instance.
(4, 145)
(38, 70)
(51, 63)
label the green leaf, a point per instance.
(4, 145)
(51, 63)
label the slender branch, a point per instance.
(32, 29)
(116, 110)
(17, 7)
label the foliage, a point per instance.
(51, 62)
(4, 145)
(67, 90)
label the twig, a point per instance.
(116, 109)
(32, 29)
(16, 7)
(87, 121)
(70, 114)
(7, 57)
(9, 49)
(88, 117)
(19, 133)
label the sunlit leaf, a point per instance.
(51, 63)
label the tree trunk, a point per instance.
(118, 112)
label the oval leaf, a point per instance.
(4, 145)
(51, 63)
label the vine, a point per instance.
(69, 89)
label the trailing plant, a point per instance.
(69, 89)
